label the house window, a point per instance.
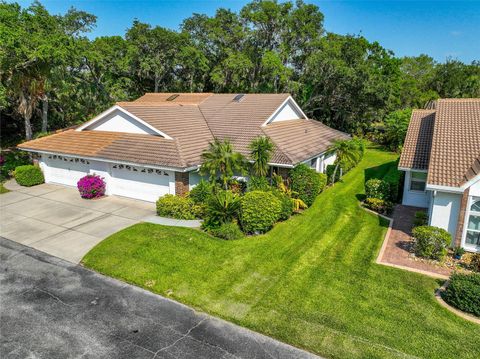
(313, 163)
(473, 228)
(418, 181)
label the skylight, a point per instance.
(173, 97)
(239, 97)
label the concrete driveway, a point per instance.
(51, 309)
(54, 219)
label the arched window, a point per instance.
(473, 227)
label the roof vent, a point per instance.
(239, 97)
(173, 97)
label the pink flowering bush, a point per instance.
(91, 186)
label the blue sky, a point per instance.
(440, 29)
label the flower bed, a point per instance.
(91, 186)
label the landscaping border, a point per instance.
(466, 316)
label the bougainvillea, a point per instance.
(91, 186)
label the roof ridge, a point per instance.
(180, 154)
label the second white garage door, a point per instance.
(140, 183)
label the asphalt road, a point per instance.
(51, 308)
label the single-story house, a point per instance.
(152, 146)
(441, 160)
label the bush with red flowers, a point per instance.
(91, 186)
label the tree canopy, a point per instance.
(52, 76)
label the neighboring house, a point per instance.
(441, 160)
(152, 146)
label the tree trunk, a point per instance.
(334, 174)
(28, 128)
(45, 114)
(157, 80)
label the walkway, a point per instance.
(396, 250)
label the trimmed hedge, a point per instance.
(377, 188)
(463, 292)
(177, 207)
(29, 175)
(378, 205)
(227, 231)
(431, 242)
(307, 183)
(259, 211)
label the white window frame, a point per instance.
(418, 181)
(468, 213)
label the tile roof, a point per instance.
(128, 147)
(302, 139)
(446, 141)
(418, 142)
(194, 120)
(456, 142)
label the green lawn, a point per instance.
(311, 281)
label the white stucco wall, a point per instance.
(286, 112)
(475, 189)
(117, 121)
(414, 198)
(445, 210)
(194, 178)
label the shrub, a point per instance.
(29, 175)
(421, 219)
(394, 180)
(431, 242)
(91, 186)
(377, 188)
(287, 205)
(378, 205)
(227, 231)
(259, 211)
(473, 261)
(223, 207)
(258, 184)
(12, 160)
(463, 292)
(307, 183)
(201, 193)
(176, 207)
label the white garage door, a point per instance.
(139, 183)
(64, 170)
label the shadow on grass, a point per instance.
(380, 171)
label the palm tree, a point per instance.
(261, 150)
(347, 151)
(220, 161)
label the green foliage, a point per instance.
(349, 153)
(223, 207)
(3, 189)
(394, 179)
(227, 231)
(11, 160)
(221, 162)
(307, 183)
(396, 125)
(474, 263)
(201, 193)
(378, 205)
(421, 219)
(331, 169)
(287, 204)
(431, 242)
(29, 175)
(377, 188)
(463, 292)
(258, 184)
(177, 207)
(259, 211)
(458, 251)
(261, 150)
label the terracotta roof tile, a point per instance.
(456, 142)
(418, 142)
(302, 139)
(194, 120)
